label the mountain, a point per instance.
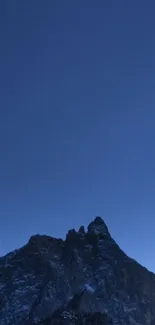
(86, 277)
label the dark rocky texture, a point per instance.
(71, 315)
(74, 318)
(49, 273)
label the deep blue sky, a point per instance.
(77, 120)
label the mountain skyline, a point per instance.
(77, 117)
(83, 229)
(49, 280)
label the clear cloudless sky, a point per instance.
(77, 120)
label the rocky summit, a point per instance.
(84, 279)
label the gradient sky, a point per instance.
(77, 120)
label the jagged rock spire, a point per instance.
(82, 230)
(98, 226)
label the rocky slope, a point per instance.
(48, 274)
(75, 318)
(71, 315)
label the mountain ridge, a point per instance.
(82, 230)
(44, 274)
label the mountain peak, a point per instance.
(98, 226)
(88, 269)
(82, 230)
(99, 221)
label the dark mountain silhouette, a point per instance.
(86, 278)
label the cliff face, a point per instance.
(48, 274)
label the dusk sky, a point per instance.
(77, 120)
